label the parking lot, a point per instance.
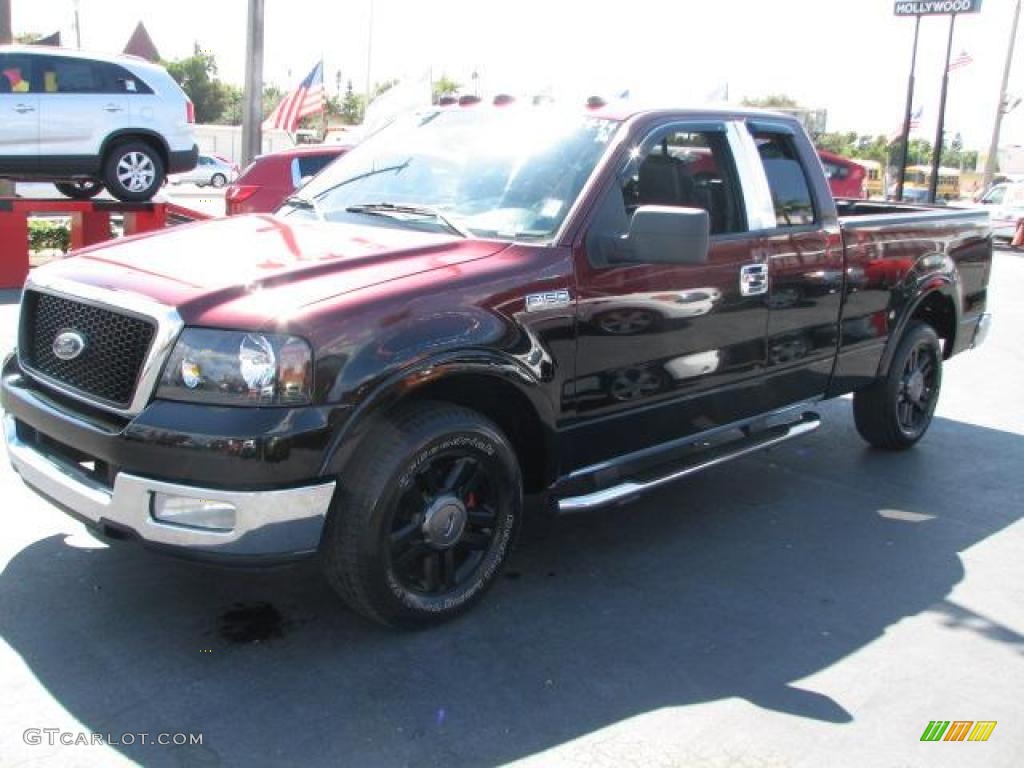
(814, 605)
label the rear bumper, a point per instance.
(269, 525)
(183, 160)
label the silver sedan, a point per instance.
(210, 171)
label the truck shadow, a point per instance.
(738, 583)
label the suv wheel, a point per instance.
(133, 171)
(79, 190)
(896, 411)
(424, 516)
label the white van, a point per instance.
(88, 121)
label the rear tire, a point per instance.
(896, 411)
(79, 190)
(218, 180)
(423, 517)
(133, 172)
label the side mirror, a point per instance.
(661, 234)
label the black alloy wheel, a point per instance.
(424, 515)
(896, 411)
(444, 524)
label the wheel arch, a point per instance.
(136, 134)
(936, 304)
(492, 385)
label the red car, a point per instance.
(845, 177)
(269, 179)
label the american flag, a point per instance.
(307, 99)
(960, 61)
(915, 123)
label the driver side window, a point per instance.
(688, 169)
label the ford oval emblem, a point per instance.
(68, 345)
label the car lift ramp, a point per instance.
(90, 224)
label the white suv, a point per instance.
(89, 121)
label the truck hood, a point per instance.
(253, 271)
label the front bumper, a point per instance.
(270, 524)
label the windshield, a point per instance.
(497, 173)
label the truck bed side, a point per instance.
(905, 262)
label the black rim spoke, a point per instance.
(476, 540)
(445, 523)
(460, 475)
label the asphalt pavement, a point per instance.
(814, 605)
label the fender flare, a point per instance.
(942, 284)
(411, 379)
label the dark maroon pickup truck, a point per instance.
(473, 305)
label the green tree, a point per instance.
(444, 86)
(773, 101)
(351, 106)
(197, 76)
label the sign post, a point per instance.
(901, 174)
(940, 126)
(919, 8)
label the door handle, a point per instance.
(23, 108)
(753, 279)
(113, 108)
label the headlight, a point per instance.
(237, 368)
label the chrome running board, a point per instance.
(712, 458)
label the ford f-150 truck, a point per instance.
(474, 305)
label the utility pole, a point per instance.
(940, 132)
(252, 99)
(6, 37)
(78, 27)
(993, 148)
(369, 58)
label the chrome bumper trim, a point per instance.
(274, 522)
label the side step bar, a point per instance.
(719, 455)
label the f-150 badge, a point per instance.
(535, 302)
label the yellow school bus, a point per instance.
(874, 181)
(919, 178)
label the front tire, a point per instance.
(896, 411)
(133, 172)
(424, 516)
(79, 190)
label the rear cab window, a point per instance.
(787, 180)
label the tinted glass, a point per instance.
(311, 165)
(791, 192)
(15, 73)
(60, 75)
(689, 170)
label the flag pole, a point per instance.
(933, 182)
(901, 173)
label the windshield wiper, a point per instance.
(393, 210)
(297, 201)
